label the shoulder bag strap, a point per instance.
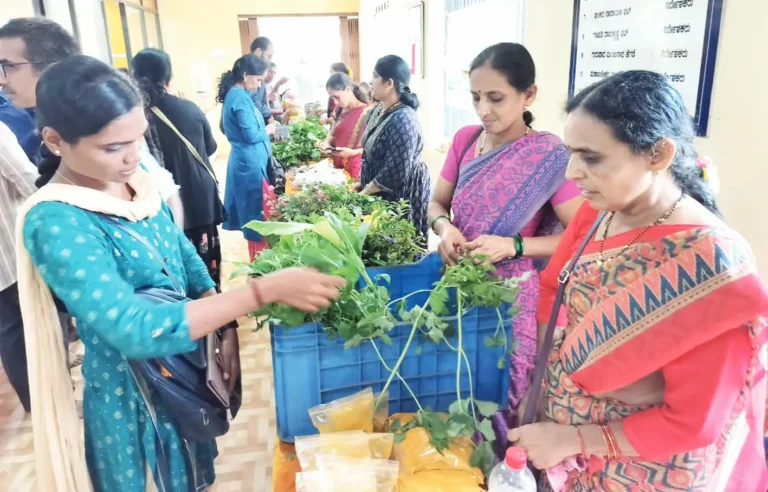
(141, 239)
(470, 144)
(189, 145)
(546, 347)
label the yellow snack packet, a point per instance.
(439, 481)
(381, 445)
(352, 444)
(360, 479)
(415, 453)
(354, 412)
(386, 471)
(381, 413)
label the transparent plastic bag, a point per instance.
(385, 471)
(381, 445)
(352, 444)
(439, 481)
(351, 413)
(361, 479)
(415, 453)
(381, 413)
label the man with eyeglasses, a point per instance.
(27, 47)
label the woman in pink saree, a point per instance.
(503, 195)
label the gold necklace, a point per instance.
(65, 178)
(601, 259)
(484, 137)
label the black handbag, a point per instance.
(197, 405)
(276, 175)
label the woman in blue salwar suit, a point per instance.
(249, 135)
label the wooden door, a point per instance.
(350, 45)
(249, 30)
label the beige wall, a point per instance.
(738, 117)
(11, 9)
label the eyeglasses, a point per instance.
(4, 66)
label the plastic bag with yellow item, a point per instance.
(354, 412)
(386, 471)
(361, 479)
(381, 445)
(416, 454)
(352, 444)
(439, 481)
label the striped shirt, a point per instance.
(17, 183)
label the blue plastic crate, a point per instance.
(309, 369)
(404, 279)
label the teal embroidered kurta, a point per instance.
(94, 269)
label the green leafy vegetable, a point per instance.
(300, 149)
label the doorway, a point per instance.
(305, 47)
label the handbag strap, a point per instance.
(470, 144)
(546, 347)
(189, 145)
(141, 239)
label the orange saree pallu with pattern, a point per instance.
(668, 336)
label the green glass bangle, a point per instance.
(519, 247)
(434, 221)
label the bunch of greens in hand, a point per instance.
(301, 148)
(333, 246)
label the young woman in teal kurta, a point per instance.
(98, 290)
(69, 244)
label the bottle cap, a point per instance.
(516, 458)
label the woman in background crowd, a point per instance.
(502, 193)
(73, 244)
(333, 106)
(393, 167)
(348, 129)
(656, 376)
(182, 133)
(251, 149)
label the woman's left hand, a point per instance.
(344, 152)
(495, 248)
(547, 443)
(230, 356)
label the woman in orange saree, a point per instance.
(344, 138)
(656, 379)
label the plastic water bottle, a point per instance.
(512, 474)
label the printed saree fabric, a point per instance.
(348, 133)
(676, 326)
(506, 192)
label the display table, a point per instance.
(291, 189)
(285, 466)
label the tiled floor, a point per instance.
(245, 462)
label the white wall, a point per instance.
(738, 115)
(92, 29)
(11, 9)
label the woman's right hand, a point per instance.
(451, 240)
(322, 145)
(302, 288)
(271, 129)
